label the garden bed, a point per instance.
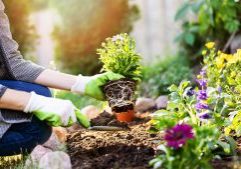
(132, 148)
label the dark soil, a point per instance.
(106, 119)
(129, 149)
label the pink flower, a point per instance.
(177, 136)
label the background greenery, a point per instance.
(207, 20)
(23, 32)
(83, 29)
(159, 76)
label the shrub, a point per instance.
(214, 20)
(158, 77)
(118, 55)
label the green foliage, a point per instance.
(79, 101)
(163, 119)
(159, 76)
(84, 26)
(209, 109)
(196, 153)
(223, 71)
(208, 142)
(235, 127)
(215, 20)
(23, 32)
(118, 55)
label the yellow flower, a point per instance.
(237, 55)
(227, 130)
(204, 52)
(220, 62)
(210, 45)
(232, 60)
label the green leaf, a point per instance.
(173, 88)
(232, 143)
(226, 147)
(163, 148)
(181, 13)
(189, 38)
(197, 5)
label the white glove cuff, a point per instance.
(27, 109)
(80, 84)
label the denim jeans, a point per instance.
(23, 137)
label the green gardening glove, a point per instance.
(82, 119)
(92, 85)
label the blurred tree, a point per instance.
(85, 24)
(23, 32)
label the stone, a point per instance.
(35, 156)
(161, 102)
(55, 160)
(53, 143)
(61, 133)
(235, 43)
(91, 111)
(145, 104)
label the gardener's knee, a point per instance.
(39, 130)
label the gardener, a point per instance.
(27, 109)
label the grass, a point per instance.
(12, 162)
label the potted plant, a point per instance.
(118, 54)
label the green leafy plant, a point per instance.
(118, 54)
(223, 71)
(196, 117)
(213, 20)
(187, 149)
(159, 76)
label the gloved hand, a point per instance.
(56, 112)
(91, 85)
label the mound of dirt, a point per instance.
(105, 150)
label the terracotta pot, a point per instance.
(125, 116)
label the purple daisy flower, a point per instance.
(201, 106)
(203, 72)
(202, 95)
(202, 82)
(205, 115)
(177, 136)
(219, 89)
(190, 92)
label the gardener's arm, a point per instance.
(13, 99)
(88, 85)
(55, 79)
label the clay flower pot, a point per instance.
(121, 95)
(125, 116)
